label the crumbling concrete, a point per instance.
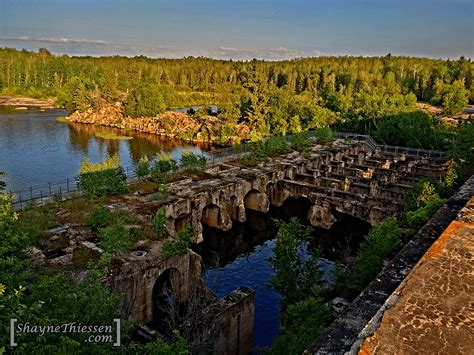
(344, 332)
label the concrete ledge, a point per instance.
(343, 332)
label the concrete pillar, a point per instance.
(321, 216)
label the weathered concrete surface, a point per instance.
(345, 331)
(433, 309)
(347, 178)
(226, 327)
(137, 275)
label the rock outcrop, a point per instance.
(170, 124)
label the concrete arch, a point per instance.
(214, 216)
(256, 201)
(165, 294)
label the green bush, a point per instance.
(300, 141)
(306, 319)
(324, 135)
(115, 238)
(99, 217)
(143, 167)
(382, 240)
(160, 222)
(145, 100)
(416, 219)
(106, 177)
(190, 161)
(180, 243)
(162, 165)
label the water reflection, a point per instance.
(35, 148)
(239, 257)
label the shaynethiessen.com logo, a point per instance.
(95, 333)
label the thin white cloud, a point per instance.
(85, 46)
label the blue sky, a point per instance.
(268, 29)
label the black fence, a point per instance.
(45, 193)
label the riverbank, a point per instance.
(170, 124)
(26, 102)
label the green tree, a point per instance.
(253, 103)
(145, 100)
(455, 98)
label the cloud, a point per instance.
(263, 53)
(54, 40)
(99, 47)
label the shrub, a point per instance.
(162, 165)
(143, 167)
(324, 135)
(300, 141)
(381, 241)
(272, 146)
(160, 223)
(416, 219)
(106, 177)
(180, 244)
(190, 161)
(145, 100)
(98, 217)
(115, 238)
(306, 319)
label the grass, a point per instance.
(110, 135)
(82, 257)
(62, 119)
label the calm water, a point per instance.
(253, 270)
(239, 257)
(35, 148)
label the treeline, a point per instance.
(330, 80)
(271, 97)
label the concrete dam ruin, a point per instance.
(346, 178)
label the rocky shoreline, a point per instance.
(26, 102)
(170, 124)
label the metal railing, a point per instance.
(69, 187)
(392, 149)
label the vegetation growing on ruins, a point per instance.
(99, 179)
(51, 297)
(179, 244)
(366, 95)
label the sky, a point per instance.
(241, 29)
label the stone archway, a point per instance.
(213, 216)
(165, 298)
(256, 201)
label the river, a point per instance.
(36, 149)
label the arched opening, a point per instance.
(256, 201)
(164, 300)
(182, 221)
(294, 207)
(212, 217)
(342, 240)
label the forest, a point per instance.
(374, 95)
(349, 86)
